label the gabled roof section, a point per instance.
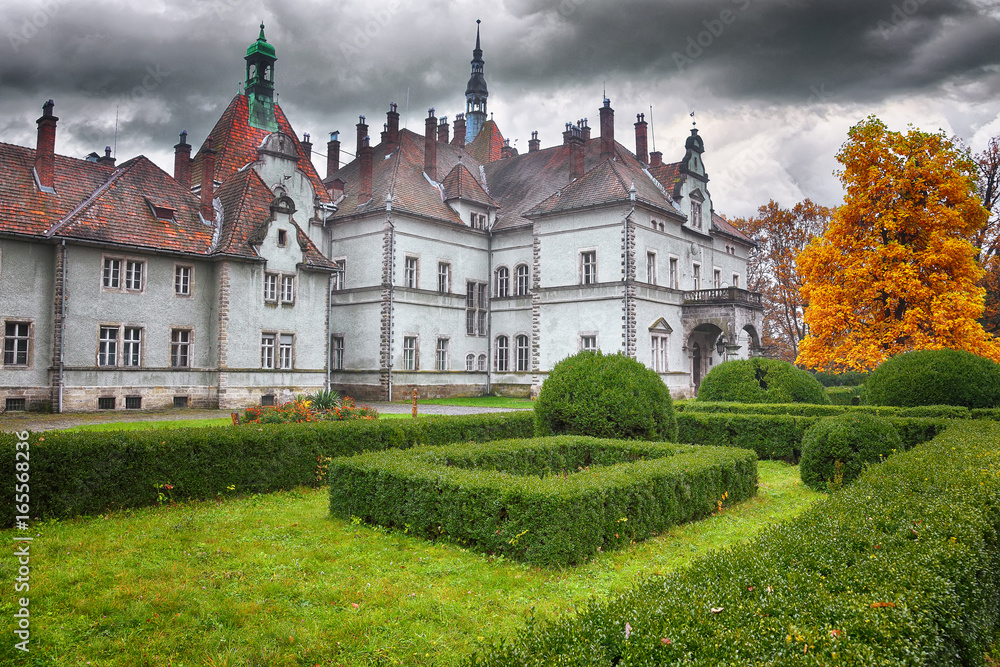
(669, 176)
(312, 258)
(721, 224)
(236, 142)
(487, 145)
(461, 184)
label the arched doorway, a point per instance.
(696, 366)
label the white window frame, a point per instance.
(481, 363)
(17, 343)
(476, 302)
(522, 353)
(588, 266)
(674, 266)
(470, 362)
(502, 354)
(696, 212)
(651, 267)
(107, 345)
(444, 277)
(411, 354)
(336, 353)
(135, 271)
(183, 280)
(288, 288)
(111, 273)
(441, 354)
(181, 342)
(268, 341)
(736, 280)
(588, 342)
(523, 278)
(271, 287)
(411, 271)
(717, 278)
(695, 276)
(286, 351)
(659, 351)
(132, 352)
(502, 283)
(338, 280)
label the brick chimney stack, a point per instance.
(640, 138)
(362, 133)
(365, 177)
(333, 155)
(392, 128)
(567, 133)
(207, 181)
(443, 129)
(45, 150)
(585, 126)
(656, 159)
(182, 161)
(307, 147)
(534, 143)
(106, 158)
(576, 152)
(430, 145)
(459, 138)
(607, 130)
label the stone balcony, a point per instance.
(729, 296)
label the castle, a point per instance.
(444, 262)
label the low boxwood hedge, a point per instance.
(87, 472)
(779, 436)
(901, 568)
(806, 410)
(548, 501)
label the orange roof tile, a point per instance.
(461, 184)
(488, 144)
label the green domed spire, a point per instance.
(260, 83)
(261, 45)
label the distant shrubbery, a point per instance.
(760, 380)
(845, 379)
(935, 377)
(606, 396)
(836, 450)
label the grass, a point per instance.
(479, 402)
(274, 580)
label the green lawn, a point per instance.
(273, 580)
(479, 402)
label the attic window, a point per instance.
(282, 238)
(162, 213)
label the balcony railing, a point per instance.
(723, 295)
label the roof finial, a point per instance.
(694, 121)
(261, 36)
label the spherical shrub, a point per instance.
(605, 395)
(935, 377)
(835, 450)
(760, 380)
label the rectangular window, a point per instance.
(180, 348)
(651, 268)
(15, 405)
(736, 280)
(588, 343)
(112, 278)
(133, 402)
(16, 343)
(441, 357)
(106, 403)
(696, 276)
(107, 347)
(270, 287)
(588, 267)
(180, 401)
(339, 274)
(522, 280)
(483, 303)
(410, 272)
(696, 214)
(287, 289)
(132, 347)
(285, 348)
(673, 273)
(409, 353)
(282, 238)
(717, 278)
(267, 400)
(337, 353)
(444, 277)
(133, 275)
(182, 280)
(475, 308)
(267, 350)
(658, 344)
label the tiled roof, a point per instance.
(670, 176)
(461, 184)
(236, 142)
(723, 225)
(487, 145)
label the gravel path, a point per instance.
(35, 421)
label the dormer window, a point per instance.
(162, 213)
(282, 238)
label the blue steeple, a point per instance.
(475, 94)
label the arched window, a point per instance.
(503, 354)
(482, 363)
(503, 282)
(470, 362)
(522, 280)
(523, 358)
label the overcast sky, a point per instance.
(774, 84)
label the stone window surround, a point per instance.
(583, 336)
(31, 341)
(190, 280)
(120, 342)
(585, 254)
(124, 261)
(188, 344)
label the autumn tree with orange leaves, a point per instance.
(895, 270)
(781, 234)
(987, 237)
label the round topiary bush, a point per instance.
(935, 377)
(605, 395)
(835, 450)
(760, 380)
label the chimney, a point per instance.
(443, 130)
(362, 132)
(656, 159)
(506, 151)
(392, 128)
(534, 143)
(567, 133)
(106, 158)
(365, 177)
(333, 155)
(640, 138)
(45, 151)
(585, 126)
(182, 161)
(307, 147)
(430, 145)
(575, 142)
(207, 180)
(459, 138)
(607, 130)
(385, 133)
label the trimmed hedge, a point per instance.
(760, 380)
(935, 377)
(779, 436)
(835, 450)
(844, 395)
(845, 379)
(806, 410)
(900, 568)
(80, 473)
(548, 501)
(607, 396)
